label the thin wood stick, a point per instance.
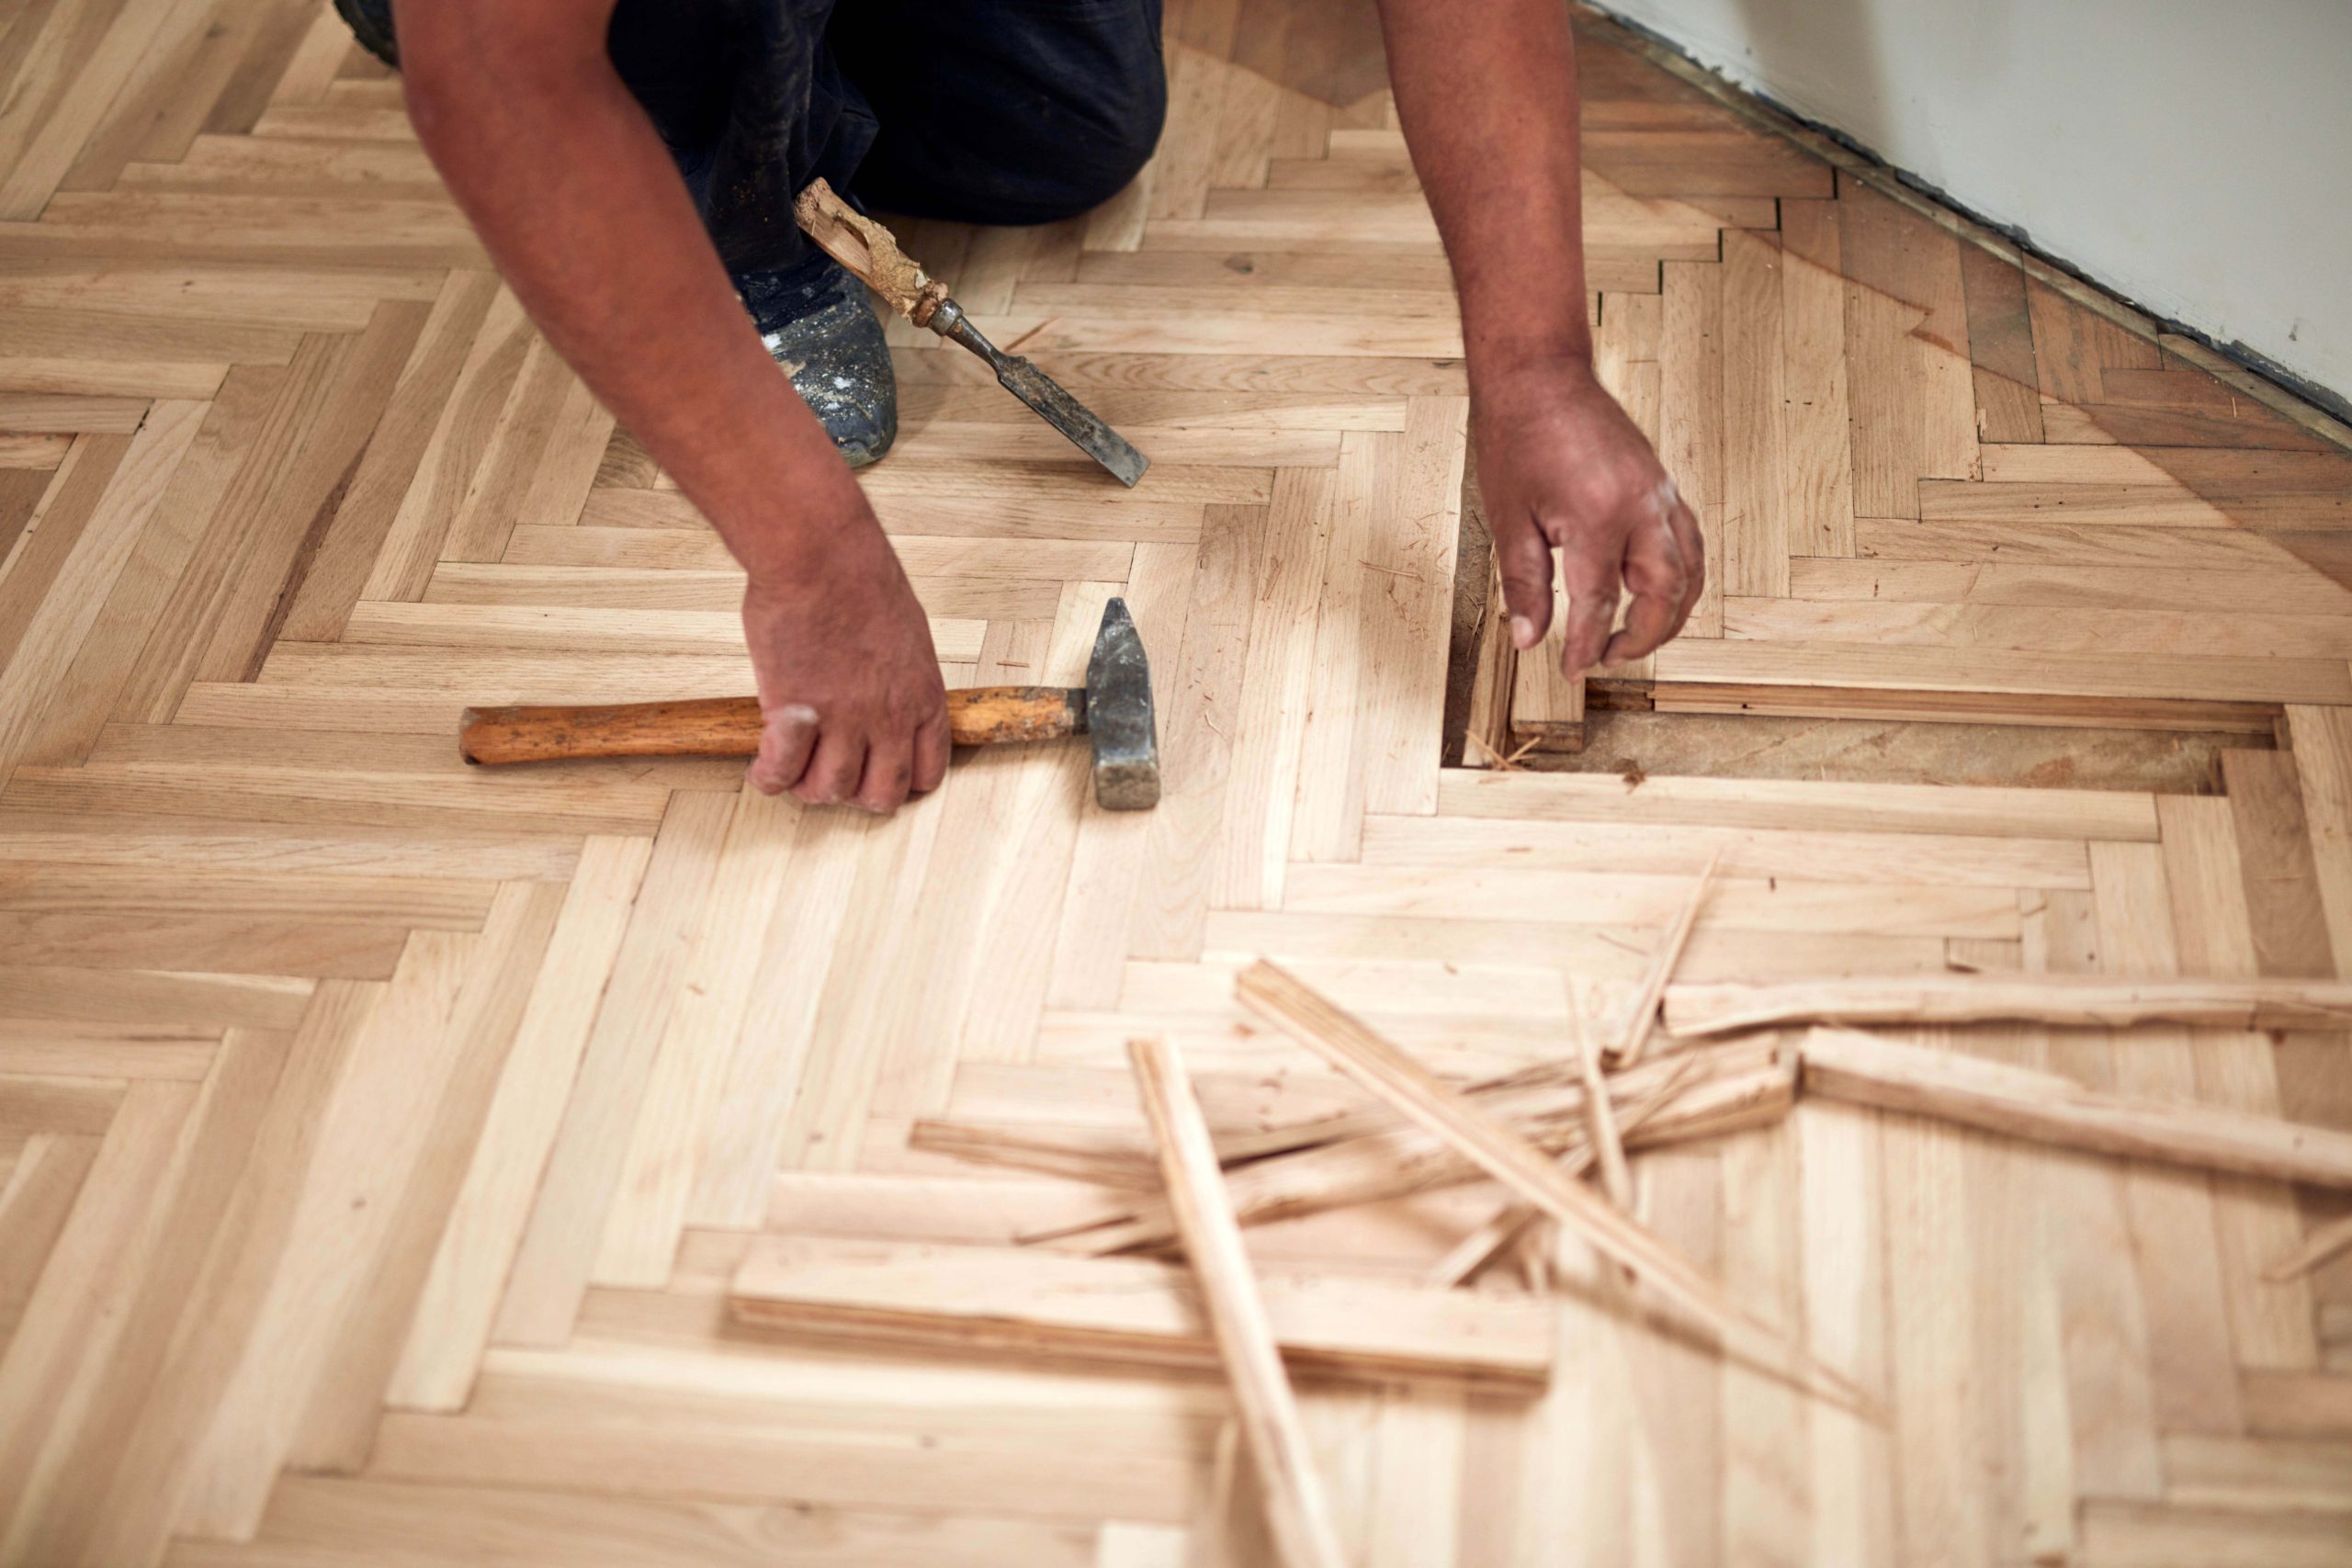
(1297, 1510)
(2318, 1248)
(1636, 1039)
(1099, 1160)
(1750, 1084)
(1349, 1045)
(1865, 1069)
(2087, 1000)
(1502, 1227)
(1601, 1116)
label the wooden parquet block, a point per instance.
(379, 1139)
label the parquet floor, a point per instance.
(377, 1138)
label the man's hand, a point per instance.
(1561, 465)
(850, 692)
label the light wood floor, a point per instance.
(377, 1138)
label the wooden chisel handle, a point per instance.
(729, 727)
(868, 250)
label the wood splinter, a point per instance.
(1298, 1514)
(1504, 1226)
(1628, 1050)
(2064, 1000)
(1347, 1043)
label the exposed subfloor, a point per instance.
(378, 1138)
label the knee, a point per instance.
(1122, 131)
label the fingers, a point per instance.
(1524, 557)
(931, 747)
(889, 773)
(787, 738)
(835, 770)
(834, 766)
(1665, 573)
(1593, 588)
(1694, 557)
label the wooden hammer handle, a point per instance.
(868, 250)
(729, 727)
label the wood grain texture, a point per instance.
(381, 1138)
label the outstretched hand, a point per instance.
(1561, 465)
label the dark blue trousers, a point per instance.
(982, 111)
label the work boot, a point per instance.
(819, 324)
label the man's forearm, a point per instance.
(1486, 93)
(579, 203)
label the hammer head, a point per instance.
(1119, 715)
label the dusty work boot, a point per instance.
(819, 324)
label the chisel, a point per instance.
(868, 250)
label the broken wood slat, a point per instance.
(1635, 1040)
(1473, 1252)
(1499, 1150)
(1601, 1131)
(1135, 1310)
(1754, 1085)
(1840, 1064)
(1106, 1163)
(1297, 1511)
(2088, 1001)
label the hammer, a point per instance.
(1112, 710)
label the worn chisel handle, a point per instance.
(868, 250)
(729, 727)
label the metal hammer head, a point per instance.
(1119, 715)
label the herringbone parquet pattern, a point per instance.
(377, 1139)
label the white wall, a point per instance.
(2194, 157)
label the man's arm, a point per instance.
(1487, 96)
(579, 203)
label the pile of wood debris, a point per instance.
(1103, 1288)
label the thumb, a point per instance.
(787, 738)
(1524, 558)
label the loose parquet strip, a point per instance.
(1298, 1511)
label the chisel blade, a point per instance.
(1072, 418)
(1045, 398)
